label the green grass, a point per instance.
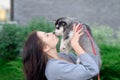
(11, 70)
(110, 70)
(111, 62)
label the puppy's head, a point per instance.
(61, 24)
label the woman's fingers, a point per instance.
(79, 30)
(74, 25)
(77, 33)
(77, 27)
(80, 34)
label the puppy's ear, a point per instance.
(54, 21)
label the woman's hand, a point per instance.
(77, 33)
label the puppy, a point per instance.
(64, 28)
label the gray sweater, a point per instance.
(64, 70)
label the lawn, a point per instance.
(11, 70)
(110, 70)
(111, 62)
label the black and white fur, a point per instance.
(64, 28)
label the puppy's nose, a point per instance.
(54, 33)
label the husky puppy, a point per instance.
(64, 28)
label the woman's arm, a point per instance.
(74, 41)
(68, 71)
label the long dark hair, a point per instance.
(34, 59)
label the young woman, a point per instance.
(42, 62)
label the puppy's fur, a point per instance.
(64, 28)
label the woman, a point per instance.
(42, 62)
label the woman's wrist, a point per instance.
(78, 49)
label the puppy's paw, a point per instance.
(78, 61)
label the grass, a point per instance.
(111, 62)
(11, 70)
(110, 70)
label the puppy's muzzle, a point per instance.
(55, 34)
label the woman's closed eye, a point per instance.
(46, 34)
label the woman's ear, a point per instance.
(46, 48)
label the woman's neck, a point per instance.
(53, 54)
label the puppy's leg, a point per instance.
(62, 45)
(78, 60)
(65, 47)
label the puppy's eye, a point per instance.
(63, 24)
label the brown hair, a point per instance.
(34, 59)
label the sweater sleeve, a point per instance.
(69, 71)
(96, 58)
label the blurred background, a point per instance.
(105, 12)
(4, 10)
(18, 18)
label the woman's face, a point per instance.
(49, 38)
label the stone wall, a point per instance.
(105, 12)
